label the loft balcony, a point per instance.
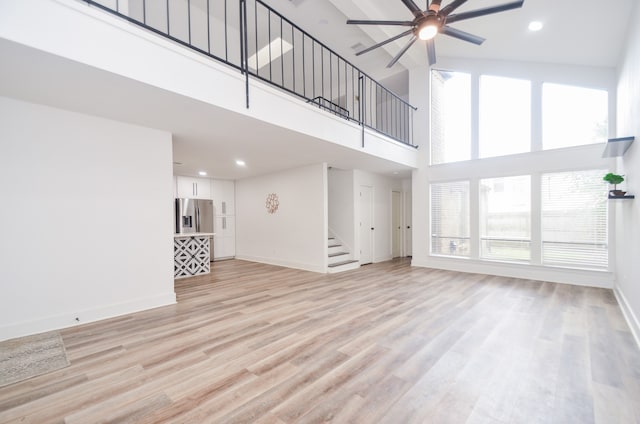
(214, 73)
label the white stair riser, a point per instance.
(337, 249)
(342, 268)
(340, 258)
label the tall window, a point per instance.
(574, 219)
(450, 232)
(505, 116)
(450, 116)
(505, 218)
(572, 116)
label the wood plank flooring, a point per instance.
(253, 343)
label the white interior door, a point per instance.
(366, 225)
(396, 225)
(408, 214)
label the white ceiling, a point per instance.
(577, 32)
(568, 37)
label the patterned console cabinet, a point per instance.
(191, 255)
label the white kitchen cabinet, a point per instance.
(193, 188)
(223, 194)
(224, 242)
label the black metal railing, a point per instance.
(254, 38)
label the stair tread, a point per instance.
(342, 263)
(335, 245)
(331, 255)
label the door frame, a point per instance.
(371, 224)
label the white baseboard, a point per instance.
(629, 316)
(578, 277)
(58, 322)
(286, 264)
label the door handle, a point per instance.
(372, 228)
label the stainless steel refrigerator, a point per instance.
(195, 216)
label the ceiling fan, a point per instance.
(427, 24)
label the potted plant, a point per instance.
(615, 180)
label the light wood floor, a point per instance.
(388, 343)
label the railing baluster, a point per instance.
(293, 55)
(255, 18)
(269, 44)
(304, 71)
(189, 19)
(208, 27)
(226, 29)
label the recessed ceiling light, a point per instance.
(202, 173)
(240, 162)
(535, 26)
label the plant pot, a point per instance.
(617, 193)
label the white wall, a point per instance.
(342, 219)
(382, 188)
(627, 212)
(86, 216)
(296, 235)
(584, 157)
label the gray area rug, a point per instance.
(27, 357)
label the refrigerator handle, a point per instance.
(197, 219)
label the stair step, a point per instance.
(332, 255)
(341, 263)
(335, 245)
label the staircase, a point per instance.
(339, 257)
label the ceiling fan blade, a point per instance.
(431, 52)
(413, 8)
(486, 11)
(461, 35)
(435, 5)
(451, 7)
(401, 52)
(368, 22)
(375, 46)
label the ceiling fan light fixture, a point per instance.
(428, 31)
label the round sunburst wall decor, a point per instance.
(272, 203)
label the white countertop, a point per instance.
(184, 235)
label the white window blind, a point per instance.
(574, 219)
(505, 218)
(450, 219)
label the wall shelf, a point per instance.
(617, 147)
(629, 196)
